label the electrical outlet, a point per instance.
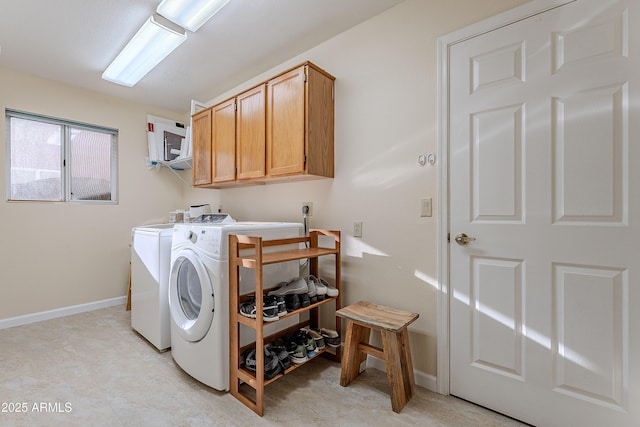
(357, 229)
(308, 205)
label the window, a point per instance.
(58, 160)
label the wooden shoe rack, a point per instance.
(256, 260)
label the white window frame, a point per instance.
(65, 156)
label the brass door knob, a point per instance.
(463, 240)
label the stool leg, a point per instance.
(352, 357)
(407, 365)
(393, 349)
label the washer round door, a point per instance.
(191, 298)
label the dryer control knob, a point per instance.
(190, 235)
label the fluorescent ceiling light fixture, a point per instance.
(150, 45)
(190, 14)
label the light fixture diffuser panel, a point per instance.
(190, 14)
(150, 45)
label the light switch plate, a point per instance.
(357, 229)
(425, 207)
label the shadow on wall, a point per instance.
(372, 275)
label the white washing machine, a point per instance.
(150, 266)
(199, 292)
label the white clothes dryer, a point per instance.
(150, 266)
(199, 292)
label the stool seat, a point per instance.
(363, 317)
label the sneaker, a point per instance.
(331, 337)
(331, 291)
(316, 336)
(248, 309)
(272, 365)
(270, 309)
(295, 286)
(311, 291)
(282, 306)
(305, 301)
(292, 302)
(303, 338)
(297, 352)
(283, 355)
(321, 288)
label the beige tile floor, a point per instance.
(91, 369)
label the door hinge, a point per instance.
(449, 237)
(235, 106)
(305, 159)
(305, 77)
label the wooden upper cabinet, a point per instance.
(201, 140)
(279, 130)
(223, 135)
(300, 122)
(251, 133)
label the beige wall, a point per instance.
(57, 255)
(386, 114)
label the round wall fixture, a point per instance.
(423, 159)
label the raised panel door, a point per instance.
(223, 141)
(543, 173)
(251, 133)
(286, 124)
(201, 140)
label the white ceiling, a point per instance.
(73, 41)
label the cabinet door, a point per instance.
(201, 140)
(285, 124)
(223, 141)
(319, 123)
(251, 133)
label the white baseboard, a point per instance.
(423, 380)
(60, 312)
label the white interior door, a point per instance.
(544, 159)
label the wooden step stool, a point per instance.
(363, 317)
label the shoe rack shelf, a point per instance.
(256, 259)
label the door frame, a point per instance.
(445, 43)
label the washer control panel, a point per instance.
(214, 218)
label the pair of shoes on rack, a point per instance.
(270, 308)
(317, 337)
(324, 336)
(295, 293)
(331, 337)
(314, 297)
(321, 287)
(296, 301)
(282, 353)
(317, 290)
(297, 352)
(301, 346)
(272, 364)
